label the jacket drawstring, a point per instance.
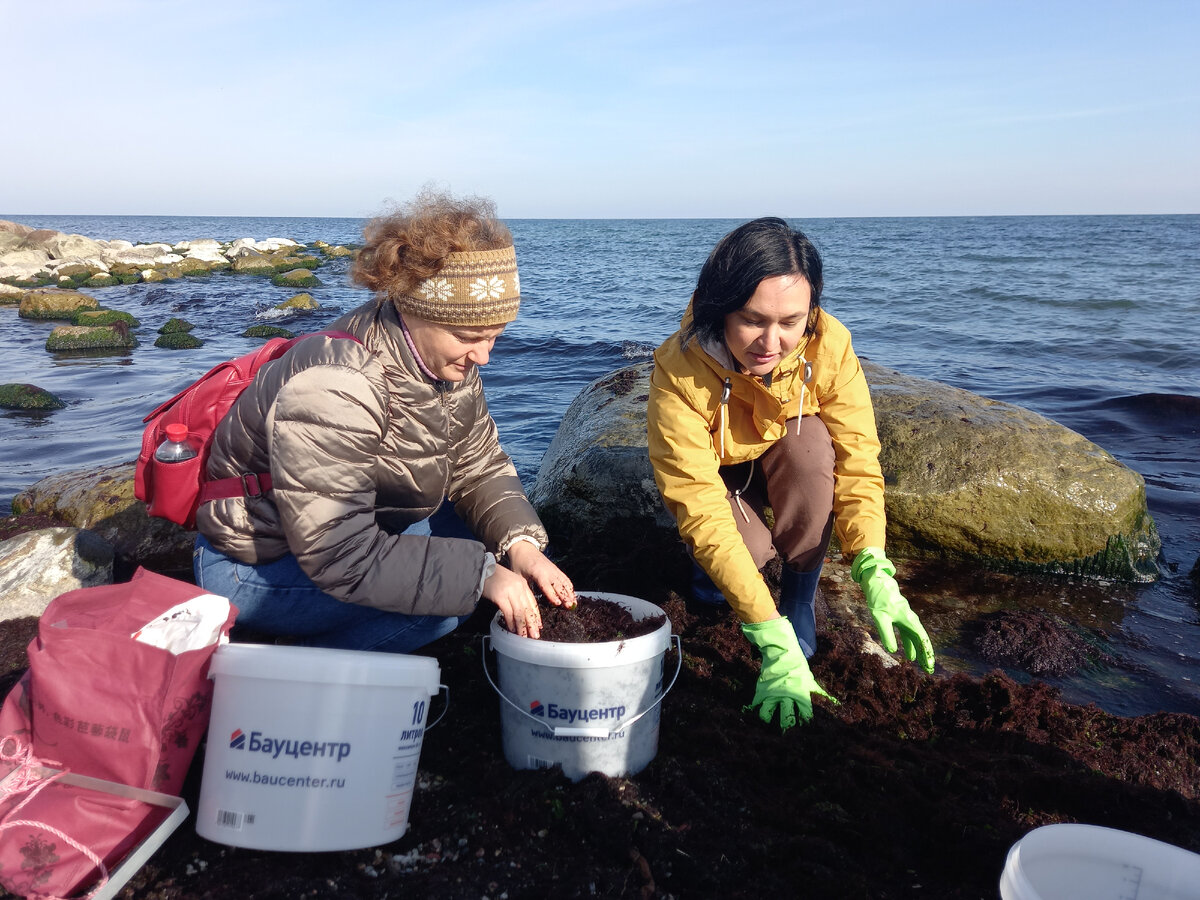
(804, 380)
(721, 413)
(725, 392)
(737, 495)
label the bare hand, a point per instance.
(535, 567)
(514, 598)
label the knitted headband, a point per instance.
(476, 288)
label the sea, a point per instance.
(1092, 321)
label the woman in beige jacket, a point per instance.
(365, 438)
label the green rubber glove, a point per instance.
(785, 683)
(873, 571)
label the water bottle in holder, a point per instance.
(176, 447)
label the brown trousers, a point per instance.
(795, 479)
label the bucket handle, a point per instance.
(571, 731)
(445, 707)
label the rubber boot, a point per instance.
(797, 597)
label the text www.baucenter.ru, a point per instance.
(292, 781)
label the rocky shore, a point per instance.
(913, 786)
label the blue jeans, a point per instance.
(278, 598)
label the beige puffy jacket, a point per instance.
(360, 445)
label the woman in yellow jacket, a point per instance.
(759, 401)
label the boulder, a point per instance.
(175, 325)
(27, 396)
(975, 478)
(178, 340)
(51, 304)
(253, 264)
(27, 257)
(63, 246)
(102, 501)
(16, 228)
(37, 566)
(11, 296)
(104, 317)
(9, 241)
(91, 337)
(301, 302)
(966, 479)
(296, 278)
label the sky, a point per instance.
(602, 108)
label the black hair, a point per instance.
(763, 248)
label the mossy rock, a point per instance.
(103, 317)
(267, 331)
(119, 269)
(304, 302)
(27, 396)
(178, 340)
(78, 270)
(101, 280)
(253, 265)
(296, 278)
(290, 262)
(89, 337)
(55, 304)
(340, 251)
(10, 296)
(176, 326)
(152, 276)
(193, 267)
(130, 279)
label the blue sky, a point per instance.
(604, 108)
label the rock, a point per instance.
(253, 265)
(76, 267)
(299, 302)
(11, 296)
(339, 251)
(175, 326)
(28, 396)
(967, 479)
(54, 304)
(61, 246)
(103, 317)
(178, 340)
(27, 256)
(102, 500)
(973, 478)
(90, 337)
(595, 489)
(296, 278)
(285, 262)
(14, 228)
(37, 566)
(267, 331)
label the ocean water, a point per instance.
(1093, 321)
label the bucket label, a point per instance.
(293, 747)
(571, 715)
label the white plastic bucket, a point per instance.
(1089, 862)
(312, 749)
(589, 707)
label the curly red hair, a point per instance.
(410, 244)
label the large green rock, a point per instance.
(53, 304)
(979, 479)
(27, 396)
(966, 478)
(91, 337)
(296, 278)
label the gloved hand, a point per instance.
(873, 571)
(785, 683)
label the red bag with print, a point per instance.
(118, 685)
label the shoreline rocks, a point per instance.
(38, 258)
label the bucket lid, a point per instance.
(325, 666)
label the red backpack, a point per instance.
(174, 490)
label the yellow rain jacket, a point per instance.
(692, 433)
